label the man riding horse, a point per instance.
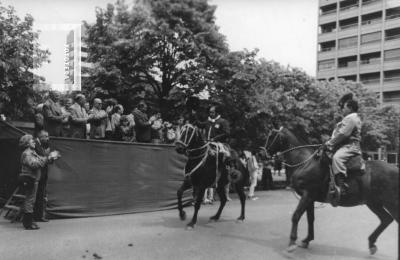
(345, 140)
(217, 129)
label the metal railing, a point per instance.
(370, 61)
(372, 21)
(370, 2)
(393, 37)
(370, 81)
(349, 7)
(391, 79)
(326, 49)
(328, 30)
(392, 16)
(350, 64)
(345, 27)
(328, 12)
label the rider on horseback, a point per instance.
(345, 140)
(218, 131)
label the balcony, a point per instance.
(327, 2)
(349, 69)
(391, 42)
(348, 31)
(348, 11)
(327, 17)
(392, 3)
(326, 55)
(370, 6)
(391, 64)
(348, 51)
(369, 66)
(372, 84)
(324, 37)
(391, 84)
(327, 73)
(370, 47)
(393, 22)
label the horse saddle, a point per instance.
(356, 164)
(220, 148)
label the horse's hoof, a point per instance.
(214, 219)
(182, 215)
(303, 244)
(291, 248)
(240, 219)
(373, 249)
(189, 227)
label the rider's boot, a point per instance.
(340, 182)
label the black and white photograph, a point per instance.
(199, 129)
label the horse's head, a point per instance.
(189, 137)
(276, 141)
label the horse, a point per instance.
(200, 172)
(377, 185)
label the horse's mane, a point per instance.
(293, 139)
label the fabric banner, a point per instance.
(94, 178)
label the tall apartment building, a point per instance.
(75, 59)
(359, 40)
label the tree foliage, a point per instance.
(260, 94)
(20, 53)
(162, 48)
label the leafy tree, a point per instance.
(20, 53)
(166, 48)
(260, 94)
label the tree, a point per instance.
(263, 94)
(20, 53)
(165, 48)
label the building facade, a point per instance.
(75, 62)
(359, 40)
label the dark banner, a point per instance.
(94, 178)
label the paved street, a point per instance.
(340, 234)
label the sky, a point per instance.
(283, 30)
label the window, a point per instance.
(371, 37)
(326, 64)
(348, 42)
(392, 55)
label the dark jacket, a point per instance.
(42, 151)
(219, 130)
(142, 126)
(52, 118)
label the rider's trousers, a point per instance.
(342, 155)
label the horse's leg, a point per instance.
(223, 199)
(199, 198)
(310, 221)
(385, 219)
(185, 186)
(242, 197)
(304, 202)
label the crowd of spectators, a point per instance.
(106, 120)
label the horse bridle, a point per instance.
(277, 131)
(188, 138)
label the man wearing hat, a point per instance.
(345, 140)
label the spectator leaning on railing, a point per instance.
(98, 120)
(79, 117)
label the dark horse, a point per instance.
(377, 186)
(200, 172)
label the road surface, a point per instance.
(340, 233)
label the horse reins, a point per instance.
(291, 149)
(207, 145)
